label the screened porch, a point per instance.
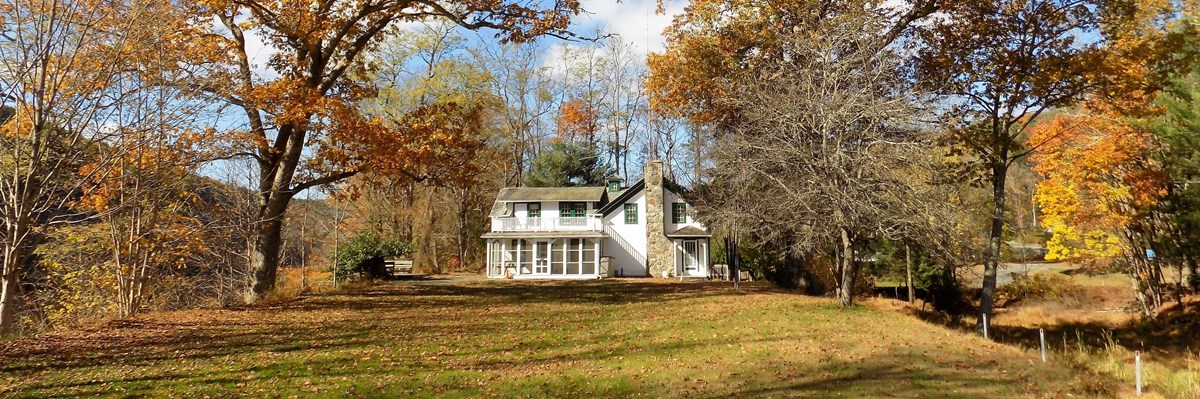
(544, 257)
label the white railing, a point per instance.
(546, 224)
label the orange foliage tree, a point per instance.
(303, 126)
(1098, 182)
(1100, 194)
(578, 118)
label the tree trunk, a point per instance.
(8, 291)
(991, 260)
(275, 194)
(849, 273)
(1190, 280)
(908, 270)
(462, 226)
(737, 265)
(15, 254)
(264, 253)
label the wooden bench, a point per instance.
(399, 266)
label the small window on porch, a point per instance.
(535, 209)
(631, 214)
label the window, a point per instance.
(631, 215)
(679, 213)
(512, 251)
(572, 209)
(574, 247)
(495, 258)
(614, 186)
(589, 257)
(535, 209)
(556, 256)
(525, 256)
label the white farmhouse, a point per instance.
(645, 229)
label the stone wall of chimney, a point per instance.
(659, 251)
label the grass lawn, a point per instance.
(624, 338)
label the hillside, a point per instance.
(477, 338)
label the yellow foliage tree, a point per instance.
(1098, 181)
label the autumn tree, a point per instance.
(59, 62)
(1100, 190)
(144, 196)
(578, 120)
(530, 96)
(714, 40)
(431, 81)
(1116, 170)
(1001, 65)
(309, 106)
(1097, 177)
(822, 144)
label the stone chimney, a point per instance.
(658, 247)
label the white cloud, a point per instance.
(258, 49)
(633, 21)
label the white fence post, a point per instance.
(985, 326)
(1042, 339)
(1137, 371)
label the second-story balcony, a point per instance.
(547, 224)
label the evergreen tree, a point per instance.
(1178, 134)
(568, 165)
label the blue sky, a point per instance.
(631, 21)
(634, 22)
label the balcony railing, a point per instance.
(547, 224)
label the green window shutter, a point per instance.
(631, 214)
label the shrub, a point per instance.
(364, 254)
(1049, 286)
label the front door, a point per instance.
(541, 257)
(691, 258)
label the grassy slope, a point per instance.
(607, 338)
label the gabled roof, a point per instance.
(500, 210)
(632, 190)
(623, 196)
(689, 231)
(521, 194)
(538, 194)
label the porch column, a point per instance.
(681, 257)
(520, 246)
(596, 256)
